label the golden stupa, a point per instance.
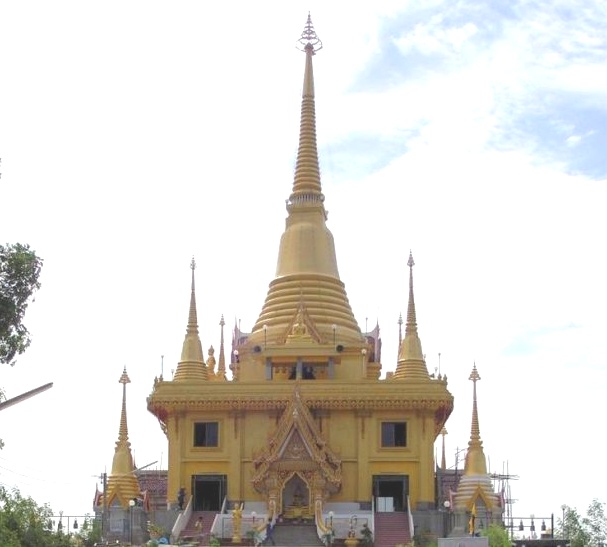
(305, 422)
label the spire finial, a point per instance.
(306, 184)
(309, 40)
(123, 431)
(221, 367)
(193, 267)
(411, 316)
(124, 378)
(192, 316)
(474, 376)
(475, 433)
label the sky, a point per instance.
(135, 135)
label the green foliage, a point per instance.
(498, 536)
(19, 272)
(2, 398)
(588, 531)
(24, 524)
(90, 532)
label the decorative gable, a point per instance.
(297, 445)
(301, 329)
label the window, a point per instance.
(393, 434)
(206, 434)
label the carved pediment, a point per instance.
(301, 329)
(295, 448)
(297, 443)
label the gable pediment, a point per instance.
(295, 448)
(301, 329)
(295, 444)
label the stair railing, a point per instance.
(324, 528)
(410, 517)
(182, 520)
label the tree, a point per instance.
(19, 272)
(2, 397)
(595, 523)
(24, 524)
(90, 532)
(588, 531)
(498, 536)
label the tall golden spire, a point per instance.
(122, 483)
(191, 366)
(307, 171)
(475, 457)
(306, 271)
(411, 363)
(475, 481)
(221, 366)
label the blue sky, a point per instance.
(134, 135)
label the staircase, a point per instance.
(391, 529)
(190, 532)
(295, 534)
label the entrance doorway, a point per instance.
(209, 492)
(296, 499)
(390, 492)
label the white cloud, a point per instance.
(434, 38)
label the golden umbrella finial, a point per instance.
(309, 39)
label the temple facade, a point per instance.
(304, 422)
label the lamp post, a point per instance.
(131, 505)
(363, 353)
(447, 506)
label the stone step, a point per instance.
(301, 535)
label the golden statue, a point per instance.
(237, 523)
(471, 522)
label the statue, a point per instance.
(211, 361)
(237, 523)
(299, 328)
(297, 497)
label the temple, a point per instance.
(304, 428)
